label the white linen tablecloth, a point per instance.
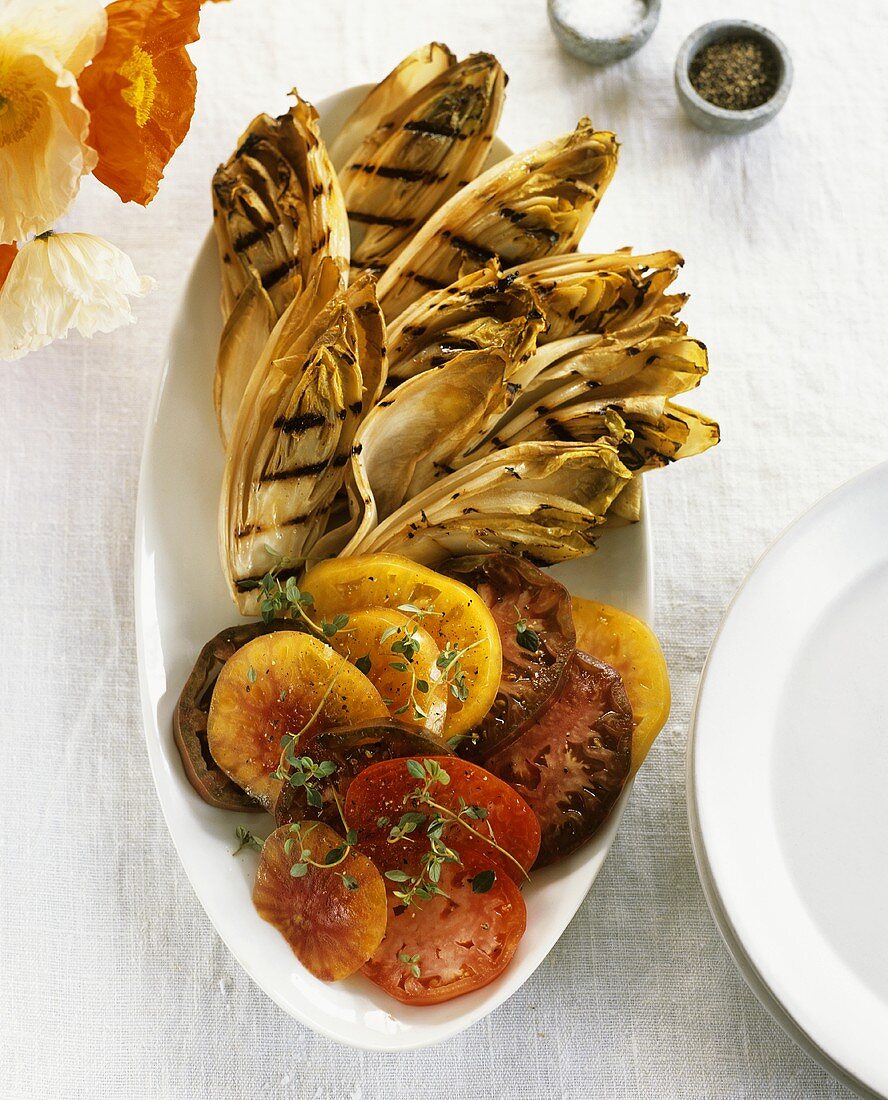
(112, 981)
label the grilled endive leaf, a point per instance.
(572, 294)
(415, 71)
(293, 436)
(427, 425)
(546, 500)
(656, 357)
(278, 208)
(601, 293)
(658, 440)
(420, 154)
(407, 443)
(240, 348)
(651, 431)
(534, 204)
(626, 506)
(472, 313)
(687, 433)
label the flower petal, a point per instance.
(140, 93)
(65, 281)
(42, 140)
(71, 30)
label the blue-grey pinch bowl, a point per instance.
(719, 120)
(601, 51)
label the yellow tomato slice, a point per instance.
(456, 618)
(272, 686)
(376, 640)
(630, 646)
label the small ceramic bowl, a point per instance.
(601, 51)
(719, 120)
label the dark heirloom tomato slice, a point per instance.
(572, 763)
(351, 750)
(452, 945)
(334, 918)
(193, 708)
(631, 647)
(518, 595)
(381, 794)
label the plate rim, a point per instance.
(416, 1036)
(751, 974)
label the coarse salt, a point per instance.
(601, 18)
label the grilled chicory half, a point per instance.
(531, 205)
(428, 425)
(545, 500)
(278, 208)
(419, 156)
(655, 357)
(651, 431)
(574, 294)
(414, 72)
(294, 432)
(278, 214)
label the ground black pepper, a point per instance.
(735, 73)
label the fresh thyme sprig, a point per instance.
(288, 764)
(287, 599)
(424, 884)
(416, 685)
(449, 670)
(483, 881)
(411, 963)
(307, 774)
(431, 772)
(333, 858)
(405, 647)
(525, 635)
(247, 840)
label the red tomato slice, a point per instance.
(572, 763)
(379, 796)
(451, 945)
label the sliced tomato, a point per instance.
(453, 944)
(192, 712)
(393, 673)
(572, 763)
(350, 751)
(279, 684)
(631, 647)
(382, 793)
(333, 917)
(532, 612)
(451, 613)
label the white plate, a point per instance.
(181, 601)
(788, 781)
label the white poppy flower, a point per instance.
(64, 281)
(44, 45)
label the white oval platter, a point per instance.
(181, 601)
(787, 780)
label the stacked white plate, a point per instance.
(788, 781)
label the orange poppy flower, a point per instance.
(7, 255)
(139, 91)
